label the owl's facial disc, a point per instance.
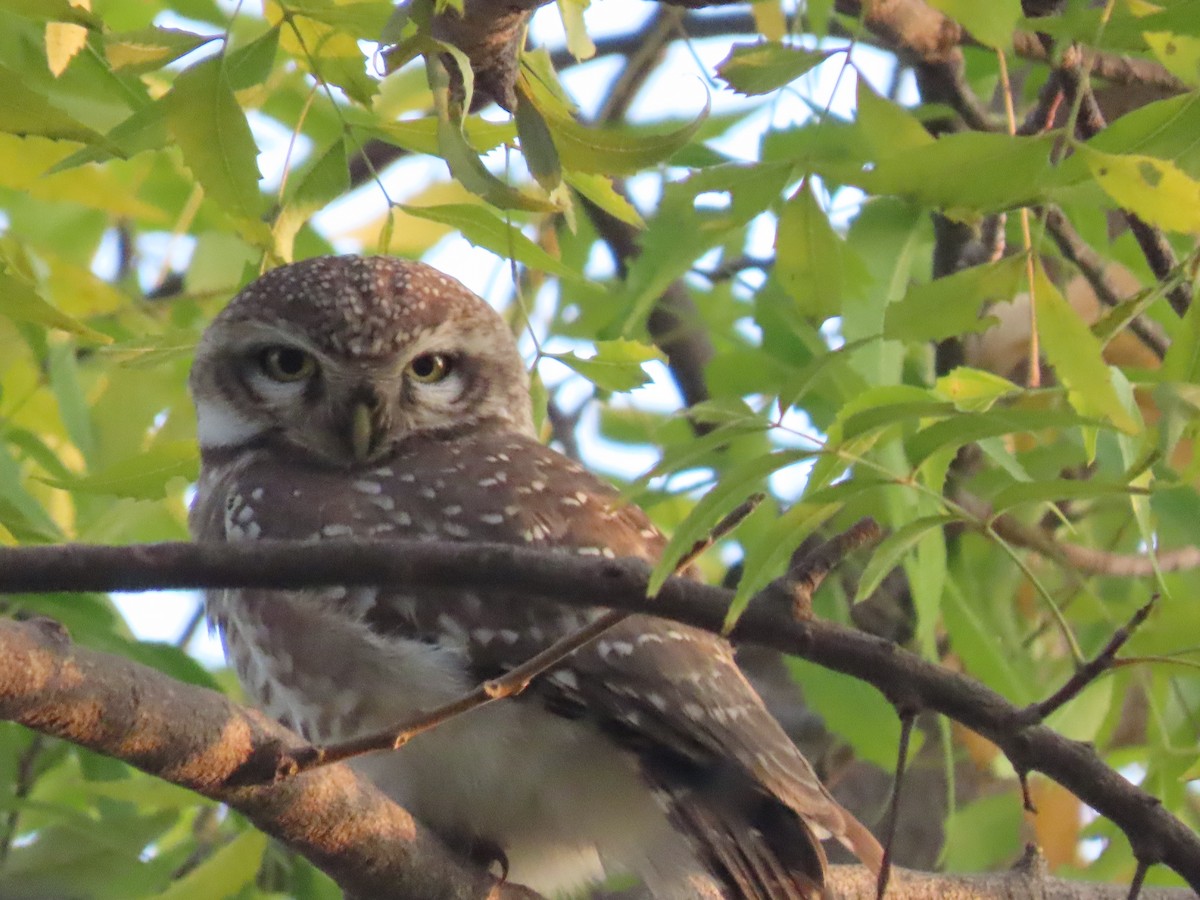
(343, 358)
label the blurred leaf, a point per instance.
(975, 425)
(484, 229)
(770, 554)
(892, 549)
(611, 151)
(985, 834)
(989, 23)
(325, 181)
(946, 174)
(974, 390)
(210, 127)
(736, 484)
(72, 405)
(579, 42)
(537, 145)
(151, 48)
(599, 189)
(224, 873)
(21, 302)
(853, 710)
(615, 366)
(886, 126)
(25, 112)
(63, 41)
(251, 63)
(1075, 353)
(812, 261)
(146, 476)
(1179, 53)
(364, 19)
(766, 66)
(953, 304)
(1154, 189)
(1063, 489)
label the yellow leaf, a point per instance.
(769, 19)
(1155, 189)
(64, 40)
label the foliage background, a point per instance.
(805, 218)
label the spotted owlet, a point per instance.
(347, 397)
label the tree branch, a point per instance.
(908, 681)
(198, 739)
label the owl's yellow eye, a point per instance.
(287, 363)
(429, 368)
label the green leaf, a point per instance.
(839, 451)
(886, 126)
(976, 425)
(147, 476)
(853, 710)
(946, 174)
(364, 20)
(617, 365)
(974, 390)
(1075, 353)
(1165, 129)
(27, 112)
(464, 164)
(327, 180)
(1154, 189)
(771, 551)
(1058, 489)
(892, 549)
(210, 127)
(223, 874)
(984, 834)
(599, 189)
(485, 229)
(735, 486)
(151, 48)
(537, 145)
(63, 369)
(812, 261)
(951, 305)
(610, 150)
(579, 43)
(250, 64)
(990, 23)
(21, 302)
(763, 67)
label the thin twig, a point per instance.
(20, 790)
(907, 721)
(1094, 668)
(803, 578)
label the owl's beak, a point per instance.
(362, 430)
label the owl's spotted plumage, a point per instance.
(349, 397)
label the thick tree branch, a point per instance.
(198, 739)
(908, 681)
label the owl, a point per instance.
(348, 397)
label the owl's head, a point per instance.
(341, 358)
